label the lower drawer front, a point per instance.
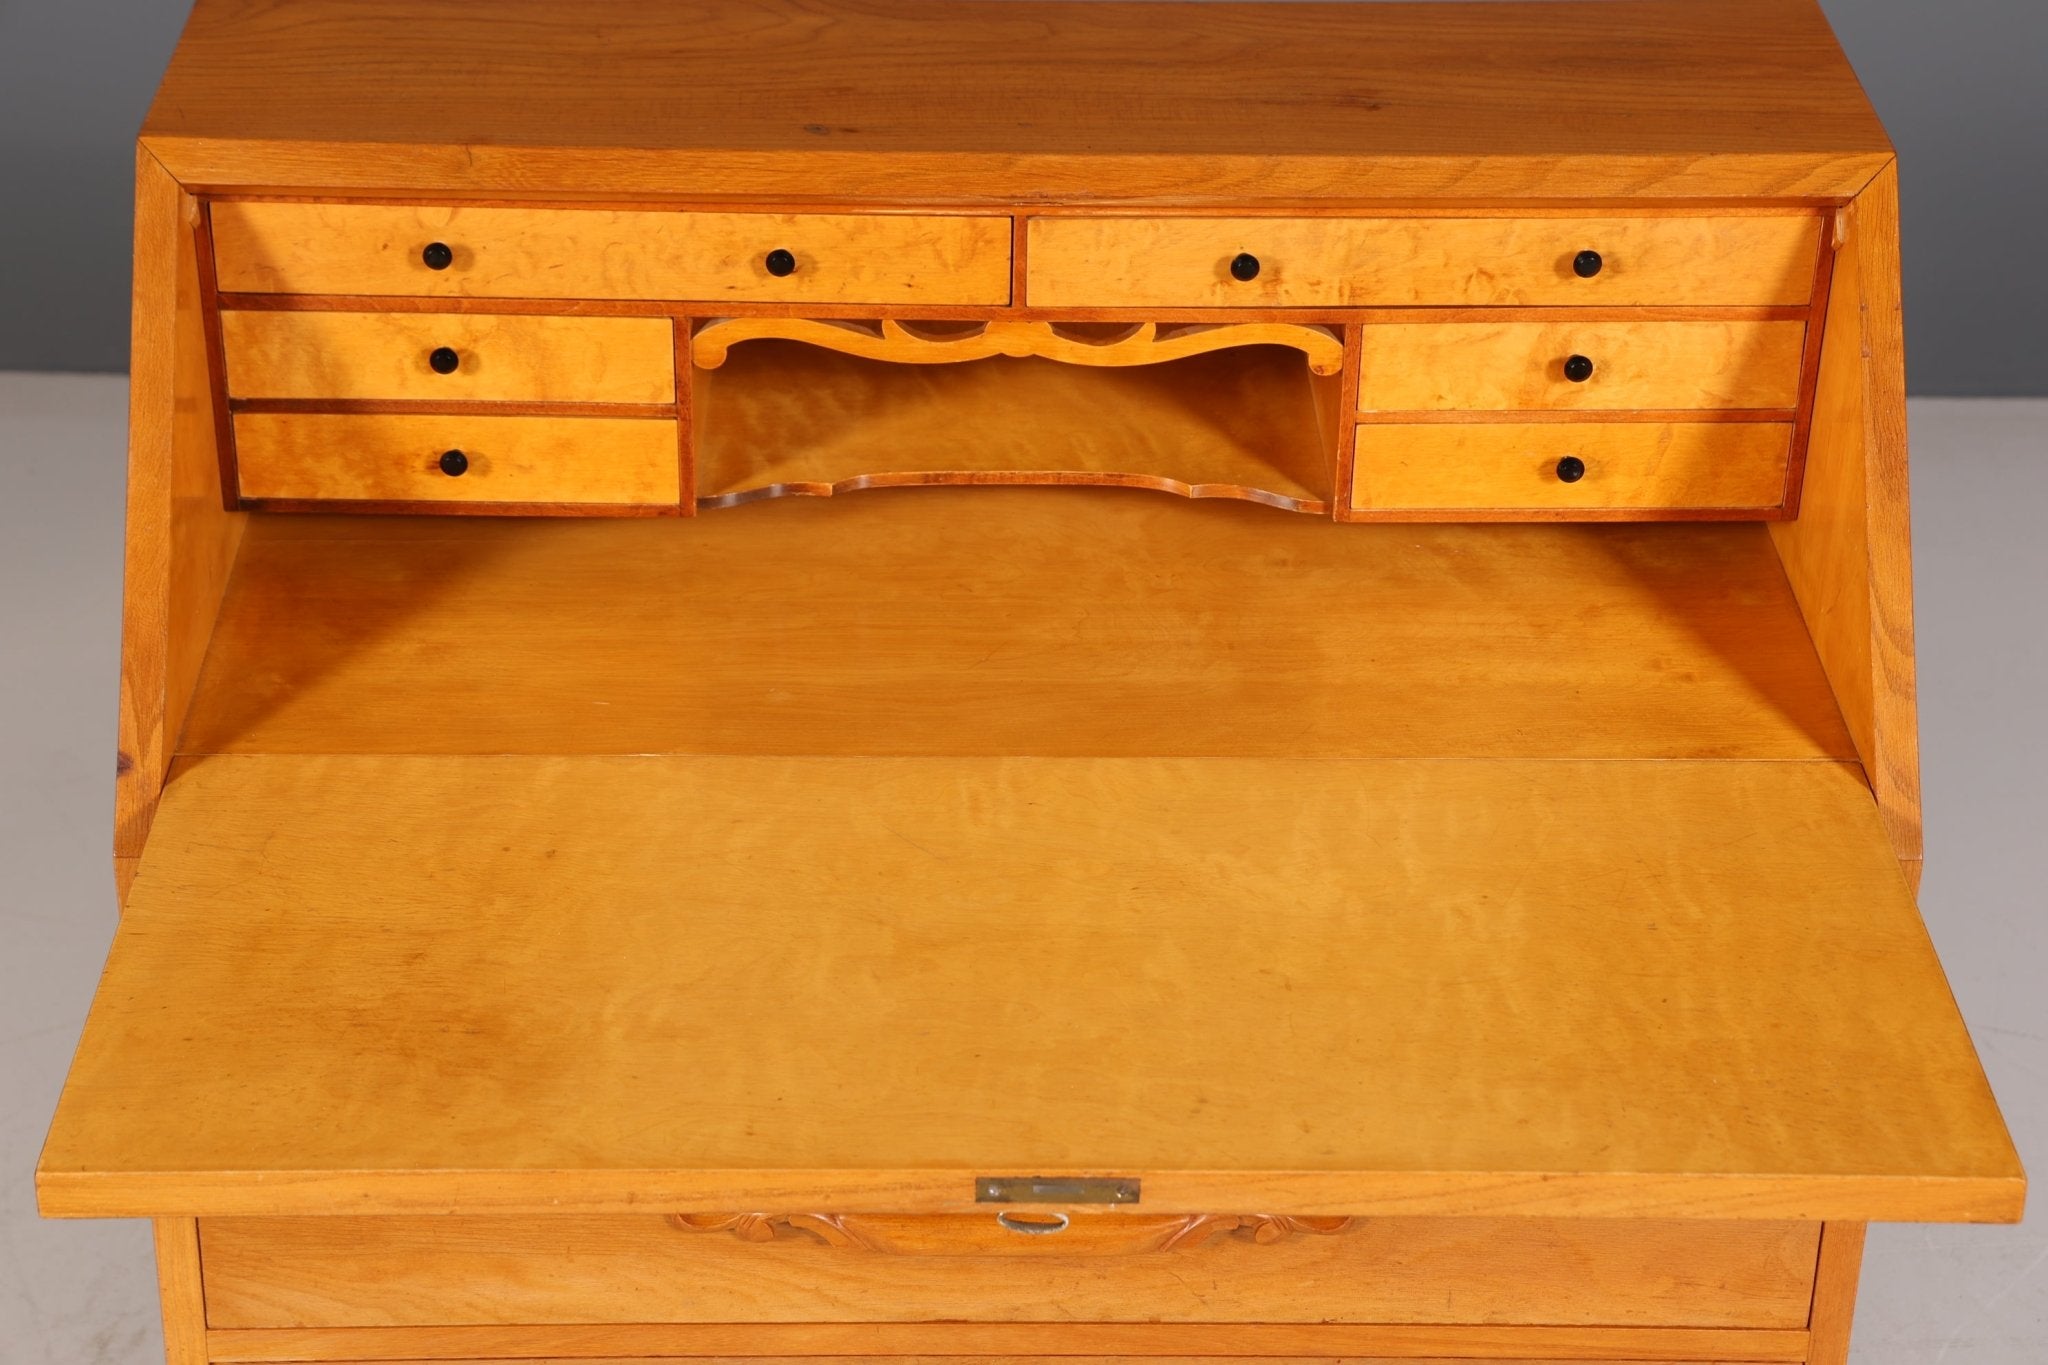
(1559, 469)
(333, 457)
(450, 1271)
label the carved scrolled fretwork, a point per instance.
(913, 343)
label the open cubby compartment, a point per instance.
(800, 406)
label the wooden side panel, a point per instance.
(178, 1284)
(180, 543)
(1834, 1293)
(1849, 555)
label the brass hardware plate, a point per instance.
(1040, 1189)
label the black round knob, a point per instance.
(1571, 469)
(1244, 266)
(444, 360)
(1578, 369)
(780, 263)
(1587, 264)
(438, 256)
(454, 462)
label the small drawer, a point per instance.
(439, 251)
(442, 1270)
(336, 457)
(1562, 469)
(1580, 366)
(462, 356)
(1200, 262)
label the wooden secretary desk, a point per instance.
(1438, 888)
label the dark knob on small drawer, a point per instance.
(1578, 369)
(780, 263)
(444, 360)
(1244, 266)
(438, 256)
(1587, 264)
(454, 462)
(1571, 469)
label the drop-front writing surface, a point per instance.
(649, 827)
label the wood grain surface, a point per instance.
(1628, 465)
(1027, 101)
(426, 1272)
(283, 355)
(1448, 366)
(374, 249)
(389, 984)
(1029, 621)
(1184, 261)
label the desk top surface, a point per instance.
(1032, 100)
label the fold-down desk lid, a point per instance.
(372, 984)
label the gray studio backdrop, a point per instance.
(1958, 82)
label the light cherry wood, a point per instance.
(1085, 1360)
(424, 1272)
(1184, 261)
(385, 355)
(321, 456)
(1628, 465)
(1111, 623)
(1137, 343)
(369, 249)
(1628, 943)
(179, 543)
(1834, 1293)
(180, 1290)
(1849, 555)
(1009, 1343)
(784, 417)
(1031, 101)
(1521, 365)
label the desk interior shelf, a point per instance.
(791, 406)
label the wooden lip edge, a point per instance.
(789, 1343)
(415, 507)
(1991, 1198)
(451, 407)
(224, 165)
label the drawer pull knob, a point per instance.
(1587, 264)
(454, 463)
(1571, 469)
(438, 256)
(1034, 1225)
(1578, 369)
(444, 360)
(1244, 266)
(780, 263)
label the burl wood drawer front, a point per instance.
(396, 1271)
(457, 356)
(1558, 468)
(456, 459)
(1579, 366)
(1393, 262)
(370, 249)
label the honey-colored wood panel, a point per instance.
(1834, 1293)
(783, 417)
(1625, 465)
(1412, 367)
(929, 1343)
(387, 984)
(354, 456)
(179, 542)
(179, 1290)
(1025, 102)
(1185, 262)
(394, 1272)
(388, 355)
(369, 249)
(1849, 554)
(1111, 623)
